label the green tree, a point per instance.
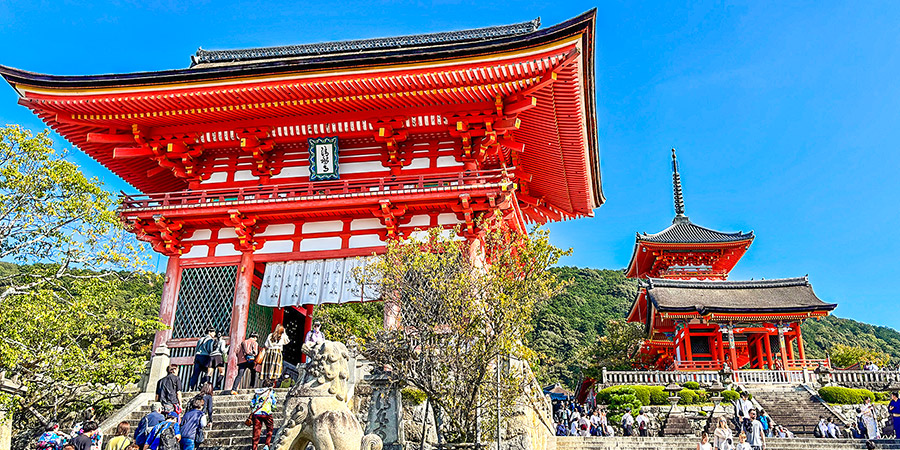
(459, 315)
(71, 332)
(618, 349)
(359, 321)
(848, 355)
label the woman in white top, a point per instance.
(868, 415)
(273, 362)
(704, 442)
(722, 435)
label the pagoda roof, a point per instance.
(683, 231)
(205, 58)
(755, 296)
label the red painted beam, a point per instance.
(132, 152)
(106, 138)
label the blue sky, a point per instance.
(785, 114)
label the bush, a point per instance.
(412, 396)
(845, 396)
(688, 397)
(730, 396)
(692, 385)
(646, 395)
(658, 396)
(882, 396)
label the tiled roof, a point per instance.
(363, 45)
(684, 232)
(779, 295)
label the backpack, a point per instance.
(817, 432)
(167, 440)
(642, 425)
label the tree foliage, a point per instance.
(847, 355)
(351, 321)
(618, 349)
(76, 322)
(461, 309)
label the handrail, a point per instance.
(312, 188)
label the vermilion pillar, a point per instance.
(240, 309)
(768, 344)
(169, 300)
(802, 355)
(731, 349)
(277, 317)
(687, 344)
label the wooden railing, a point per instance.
(770, 377)
(656, 377)
(698, 365)
(812, 364)
(316, 189)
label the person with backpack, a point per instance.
(192, 425)
(166, 434)
(627, 423)
(168, 390)
(766, 422)
(263, 406)
(51, 439)
(643, 424)
(206, 396)
(146, 424)
(202, 358)
(217, 361)
(120, 441)
(246, 361)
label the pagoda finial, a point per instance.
(679, 199)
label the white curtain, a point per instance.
(313, 282)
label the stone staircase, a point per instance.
(690, 443)
(795, 408)
(228, 431)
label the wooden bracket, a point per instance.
(390, 216)
(246, 228)
(164, 235)
(391, 133)
(258, 142)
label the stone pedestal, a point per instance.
(677, 425)
(158, 366)
(385, 412)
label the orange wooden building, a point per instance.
(696, 319)
(264, 174)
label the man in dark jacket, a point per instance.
(146, 424)
(191, 425)
(202, 358)
(83, 441)
(168, 390)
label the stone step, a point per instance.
(672, 443)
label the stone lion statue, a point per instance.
(316, 409)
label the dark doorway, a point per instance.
(295, 327)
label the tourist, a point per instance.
(742, 411)
(273, 363)
(627, 423)
(743, 445)
(561, 429)
(263, 406)
(168, 391)
(573, 426)
(756, 438)
(584, 426)
(722, 436)
(217, 361)
(894, 411)
(833, 431)
(51, 439)
(861, 432)
(202, 351)
(704, 442)
(147, 423)
(821, 429)
(166, 434)
(643, 424)
(206, 394)
(867, 410)
(192, 424)
(84, 440)
(315, 335)
(766, 422)
(246, 361)
(120, 441)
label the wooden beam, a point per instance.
(519, 106)
(107, 138)
(132, 152)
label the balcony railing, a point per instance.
(316, 190)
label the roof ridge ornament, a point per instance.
(679, 198)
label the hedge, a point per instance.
(646, 395)
(692, 385)
(730, 396)
(845, 396)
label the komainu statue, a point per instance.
(316, 408)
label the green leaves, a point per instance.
(77, 323)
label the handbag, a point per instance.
(261, 355)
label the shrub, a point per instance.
(688, 397)
(882, 396)
(692, 385)
(702, 396)
(412, 396)
(658, 396)
(845, 396)
(730, 396)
